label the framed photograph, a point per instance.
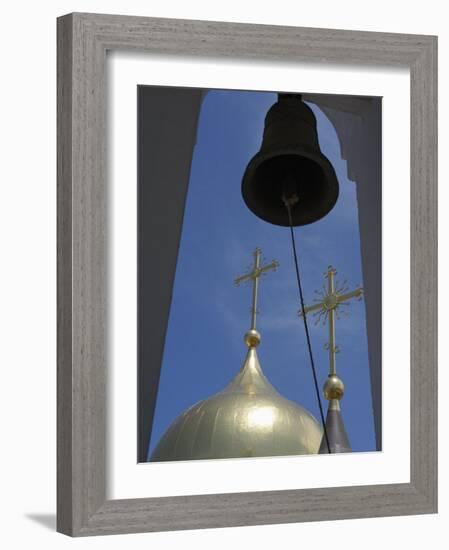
(246, 274)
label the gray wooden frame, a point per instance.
(83, 40)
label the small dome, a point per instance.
(248, 418)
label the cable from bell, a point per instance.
(289, 201)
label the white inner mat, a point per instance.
(125, 477)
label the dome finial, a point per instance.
(252, 337)
(328, 307)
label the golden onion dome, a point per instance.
(248, 418)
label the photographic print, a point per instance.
(244, 274)
(240, 373)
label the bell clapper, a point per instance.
(289, 191)
(290, 200)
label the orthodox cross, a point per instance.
(254, 275)
(327, 305)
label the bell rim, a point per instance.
(321, 159)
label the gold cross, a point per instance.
(328, 304)
(254, 275)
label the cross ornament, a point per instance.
(327, 305)
(254, 275)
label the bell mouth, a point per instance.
(310, 176)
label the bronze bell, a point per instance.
(289, 165)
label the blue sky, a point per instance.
(204, 346)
